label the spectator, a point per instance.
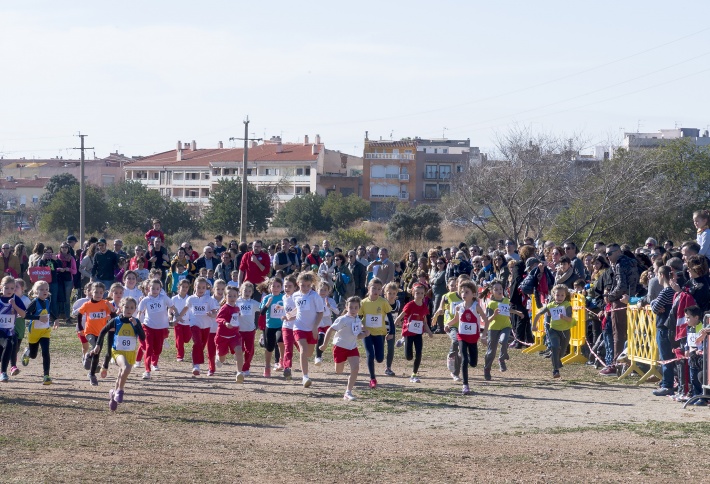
(218, 247)
(105, 265)
(600, 248)
(510, 253)
(254, 267)
(689, 248)
(382, 268)
(10, 263)
(207, 259)
(362, 256)
(566, 274)
(154, 232)
(359, 273)
(158, 258)
(286, 259)
(668, 245)
(457, 266)
(118, 249)
(650, 243)
(225, 267)
(139, 252)
(571, 251)
(344, 283)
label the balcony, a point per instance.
(403, 157)
(437, 176)
(146, 181)
(404, 177)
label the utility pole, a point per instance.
(243, 215)
(82, 204)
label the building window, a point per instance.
(445, 172)
(35, 199)
(140, 175)
(459, 168)
(215, 171)
(377, 171)
(444, 190)
(431, 172)
(308, 171)
(107, 179)
(155, 175)
(445, 151)
(177, 175)
(249, 171)
(205, 175)
(430, 191)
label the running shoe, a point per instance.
(608, 371)
(700, 403)
(87, 361)
(218, 362)
(348, 397)
(154, 368)
(112, 403)
(455, 377)
(146, 375)
(487, 374)
(179, 360)
(26, 357)
(47, 380)
(104, 372)
(240, 377)
(287, 373)
(318, 362)
(414, 378)
(662, 392)
(118, 396)
(307, 382)
(4, 377)
(246, 373)
(465, 390)
(267, 372)
(210, 373)
(399, 343)
(196, 370)
(14, 371)
(501, 363)
(556, 374)
(261, 341)
(373, 384)
(278, 367)
(139, 364)
(92, 379)
(389, 372)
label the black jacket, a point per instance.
(202, 262)
(105, 265)
(359, 273)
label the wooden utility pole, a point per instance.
(82, 202)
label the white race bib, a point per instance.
(468, 328)
(691, 339)
(302, 303)
(125, 343)
(416, 327)
(373, 320)
(199, 310)
(246, 309)
(155, 307)
(40, 325)
(504, 309)
(277, 312)
(7, 321)
(357, 327)
(97, 315)
(557, 313)
(235, 319)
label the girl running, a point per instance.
(229, 339)
(330, 309)
(347, 330)
(273, 303)
(391, 292)
(561, 321)
(11, 307)
(37, 316)
(248, 316)
(372, 312)
(449, 303)
(309, 313)
(413, 321)
(202, 308)
(79, 325)
(217, 289)
(95, 314)
(153, 310)
(130, 286)
(126, 329)
(468, 317)
(19, 326)
(287, 327)
(181, 324)
(498, 331)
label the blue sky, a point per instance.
(138, 76)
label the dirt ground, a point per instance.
(521, 426)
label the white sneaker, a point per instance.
(196, 370)
(348, 396)
(414, 379)
(154, 368)
(240, 377)
(318, 362)
(306, 382)
(218, 362)
(277, 366)
(455, 377)
(139, 364)
(146, 375)
(399, 343)
(246, 373)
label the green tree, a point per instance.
(343, 211)
(133, 205)
(422, 222)
(225, 208)
(55, 184)
(304, 214)
(62, 213)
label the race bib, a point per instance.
(97, 315)
(125, 343)
(557, 313)
(373, 320)
(468, 328)
(235, 319)
(302, 304)
(7, 321)
(416, 327)
(246, 310)
(504, 309)
(199, 310)
(155, 307)
(277, 312)
(691, 340)
(40, 325)
(357, 327)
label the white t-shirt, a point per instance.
(247, 309)
(135, 293)
(199, 307)
(233, 283)
(328, 312)
(289, 309)
(346, 329)
(307, 306)
(179, 304)
(156, 311)
(79, 303)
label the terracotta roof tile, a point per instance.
(23, 183)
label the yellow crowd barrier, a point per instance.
(539, 335)
(578, 333)
(641, 343)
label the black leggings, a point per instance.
(390, 351)
(13, 356)
(321, 339)
(272, 336)
(107, 358)
(34, 349)
(7, 349)
(469, 356)
(415, 342)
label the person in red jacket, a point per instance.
(155, 232)
(255, 267)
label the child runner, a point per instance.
(95, 314)
(130, 286)
(391, 292)
(347, 329)
(11, 307)
(37, 316)
(498, 331)
(115, 295)
(234, 279)
(153, 310)
(309, 313)
(79, 325)
(229, 339)
(468, 317)
(287, 327)
(330, 309)
(248, 315)
(141, 271)
(413, 320)
(218, 290)
(181, 324)
(449, 302)
(561, 321)
(273, 303)
(203, 309)
(373, 311)
(123, 351)
(19, 326)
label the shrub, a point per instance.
(349, 238)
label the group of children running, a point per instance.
(297, 311)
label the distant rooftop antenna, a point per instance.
(638, 126)
(391, 135)
(443, 133)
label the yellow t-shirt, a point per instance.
(502, 320)
(125, 337)
(451, 300)
(373, 314)
(557, 310)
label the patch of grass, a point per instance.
(653, 428)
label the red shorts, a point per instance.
(227, 345)
(341, 355)
(307, 335)
(323, 330)
(82, 338)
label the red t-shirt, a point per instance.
(414, 318)
(154, 233)
(227, 314)
(468, 324)
(252, 273)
